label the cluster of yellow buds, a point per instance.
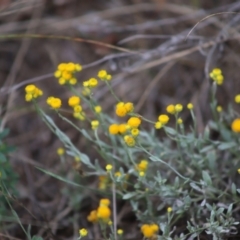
(54, 102)
(172, 109)
(32, 92)
(104, 75)
(162, 120)
(102, 213)
(74, 102)
(149, 230)
(118, 128)
(142, 167)
(132, 124)
(216, 76)
(65, 73)
(122, 109)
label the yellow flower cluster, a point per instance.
(102, 213)
(91, 83)
(162, 120)
(117, 128)
(129, 140)
(122, 109)
(216, 76)
(65, 73)
(174, 109)
(142, 167)
(74, 102)
(104, 75)
(54, 103)
(32, 92)
(149, 230)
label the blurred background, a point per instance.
(158, 52)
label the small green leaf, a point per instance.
(206, 178)
(129, 195)
(170, 130)
(227, 145)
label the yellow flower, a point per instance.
(83, 232)
(109, 167)
(95, 124)
(120, 232)
(93, 82)
(113, 129)
(190, 106)
(163, 119)
(134, 122)
(178, 107)
(104, 202)
(219, 109)
(78, 67)
(121, 111)
(86, 83)
(28, 97)
(158, 125)
(179, 121)
(77, 109)
(62, 66)
(61, 81)
(171, 109)
(237, 98)
(57, 74)
(102, 74)
(135, 132)
(53, 102)
(117, 174)
(98, 109)
(110, 223)
(32, 92)
(73, 101)
(141, 174)
(142, 166)
(236, 125)
(109, 77)
(60, 151)
(79, 115)
(169, 209)
(66, 75)
(70, 67)
(73, 81)
(149, 230)
(217, 76)
(129, 107)
(86, 91)
(30, 88)
(238, 170)
(129, 140)
(122, 128)
(103, 212)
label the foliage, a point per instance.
(184, 176)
